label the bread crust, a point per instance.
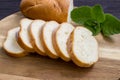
(73, 57)
(18, 55)
(34, 44)
(46, 9)
(48, 52)
(56, 47)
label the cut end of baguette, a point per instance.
(60, 37)
(11, 46)
(35, 31)
(83, 47)
(46, 38)
(23, 35)
(69, 11)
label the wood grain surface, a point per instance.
(36, 67)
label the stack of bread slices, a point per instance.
(54, 40)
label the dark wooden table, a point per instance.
(8, 7)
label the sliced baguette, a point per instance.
(23, 35)
(35, 31)
(46, 38)
(83, 47)
(11, 46)
(60, 37)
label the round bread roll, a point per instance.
(57, 10)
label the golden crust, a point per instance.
(56, 47)
(46, 9)
(22, 54)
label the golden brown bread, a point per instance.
(46, 9)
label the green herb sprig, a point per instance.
(96, 20)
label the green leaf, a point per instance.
(95, 20)
(111, 25)
(93, 26)
(81, 14)
(98, 13)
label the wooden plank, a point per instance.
(39, 67)
(14, 77)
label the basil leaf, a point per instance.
(93, 26)
(98, 13)
(81, 14)
(111, 25)
(96, 20)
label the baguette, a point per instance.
(23, 37)
(60, 37)
(11, 46)
(35, 31)
(83, 47)
(46, 38)
(48, 10)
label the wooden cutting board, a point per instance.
(36, 67)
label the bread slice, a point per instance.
(23, 35)
(60, 37)
(35, 31)
(11, 46)
(46, 38)
(83, 47)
